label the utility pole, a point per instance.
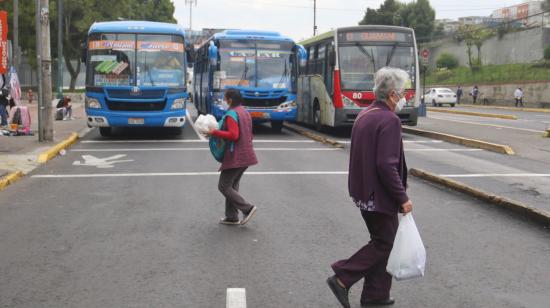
(44, 61)
(16, 35)
(191, 3)
(314, 17)
(59, 49)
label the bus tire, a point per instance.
(177, 131)
(277, 126)
(317, 117)
(105, 131)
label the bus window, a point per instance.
(112, 58)
(160, 60)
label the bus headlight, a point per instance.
(179, 103)
(347, 101)
(92, 103)
(287, 105)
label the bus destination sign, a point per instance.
(374, 37)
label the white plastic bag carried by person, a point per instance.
(205, 123)
(408, 256)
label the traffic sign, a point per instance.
(425, 53)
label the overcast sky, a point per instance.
(295, 17)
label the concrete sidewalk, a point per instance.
(20, 153)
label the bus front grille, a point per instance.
(140, 106)
(263, 103)
(143, 94)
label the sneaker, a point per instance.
(227, 221)
(249, 215)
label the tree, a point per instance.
(474, 35)
(420, 16)
(385, 15)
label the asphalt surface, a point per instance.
(143, 231)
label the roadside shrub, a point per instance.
(444, 74)
(447, 61)
(547, 53)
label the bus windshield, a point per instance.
(359, 62)
(135, 59)
(255, 64)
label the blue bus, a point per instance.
(135, 75)
(263, 65)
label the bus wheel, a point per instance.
(105, 131)
(277, 126)
(317, 118)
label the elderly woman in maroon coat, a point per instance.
(377, 183)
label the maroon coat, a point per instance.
(377, 165)
(243, 154)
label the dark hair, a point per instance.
(235, 96)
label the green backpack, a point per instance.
(217, 145)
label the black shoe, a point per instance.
(249, 215)
(227, 221)
(340, 292)
(377, 302)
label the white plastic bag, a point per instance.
(205, 123)
(408, 256)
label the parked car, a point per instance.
(440, 96)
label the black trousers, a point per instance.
(369, 262)
(519, 101)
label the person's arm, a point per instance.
(232, 132)
(387, 160)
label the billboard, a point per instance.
(4, 42)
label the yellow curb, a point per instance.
(10, 179)
(545, 110)
(313, 136)
(538, 215)
(547, 133)
(477, 114)
(473, 143)
(53, 151)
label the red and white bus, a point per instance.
(338, 79)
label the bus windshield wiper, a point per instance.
(243, 78)
(285, 73)
(390, 56)
(366, 53)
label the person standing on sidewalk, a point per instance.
(4, 102)
(377, 184)
(236, 160)
(475, 93)
(458, 94)
(518, 95)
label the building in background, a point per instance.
(522, 12)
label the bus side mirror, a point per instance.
(332, 57)
(84, 54)
(213, 54)
(302, 55)
(190, 55)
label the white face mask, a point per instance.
(400, 104)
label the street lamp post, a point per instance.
(191, 3)
(59, 49)
(314, 17)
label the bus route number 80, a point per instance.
(357, 95)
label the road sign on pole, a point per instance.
(425, 56)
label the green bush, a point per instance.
(443, 75)
(547, 53)
(447, 61)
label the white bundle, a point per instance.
(408, 256)
(206, 123)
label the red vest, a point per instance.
(243, 151)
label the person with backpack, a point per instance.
(474, 93)
(238, 155)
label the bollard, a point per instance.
(422, 109)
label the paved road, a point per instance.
(144, 232)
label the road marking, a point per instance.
(236, 298)
(199, 149)
(443, 150)
(188, 141)
(404, 141)
(492, 125)
(167, 174)
(487, 175)
(190, 121)
(102, 163)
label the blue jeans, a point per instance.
(4, 115)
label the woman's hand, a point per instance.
(210, 132)
(406, 207)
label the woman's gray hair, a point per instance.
(389, 79)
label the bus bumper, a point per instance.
(263, 115)
(102, 118)
(346, 116)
